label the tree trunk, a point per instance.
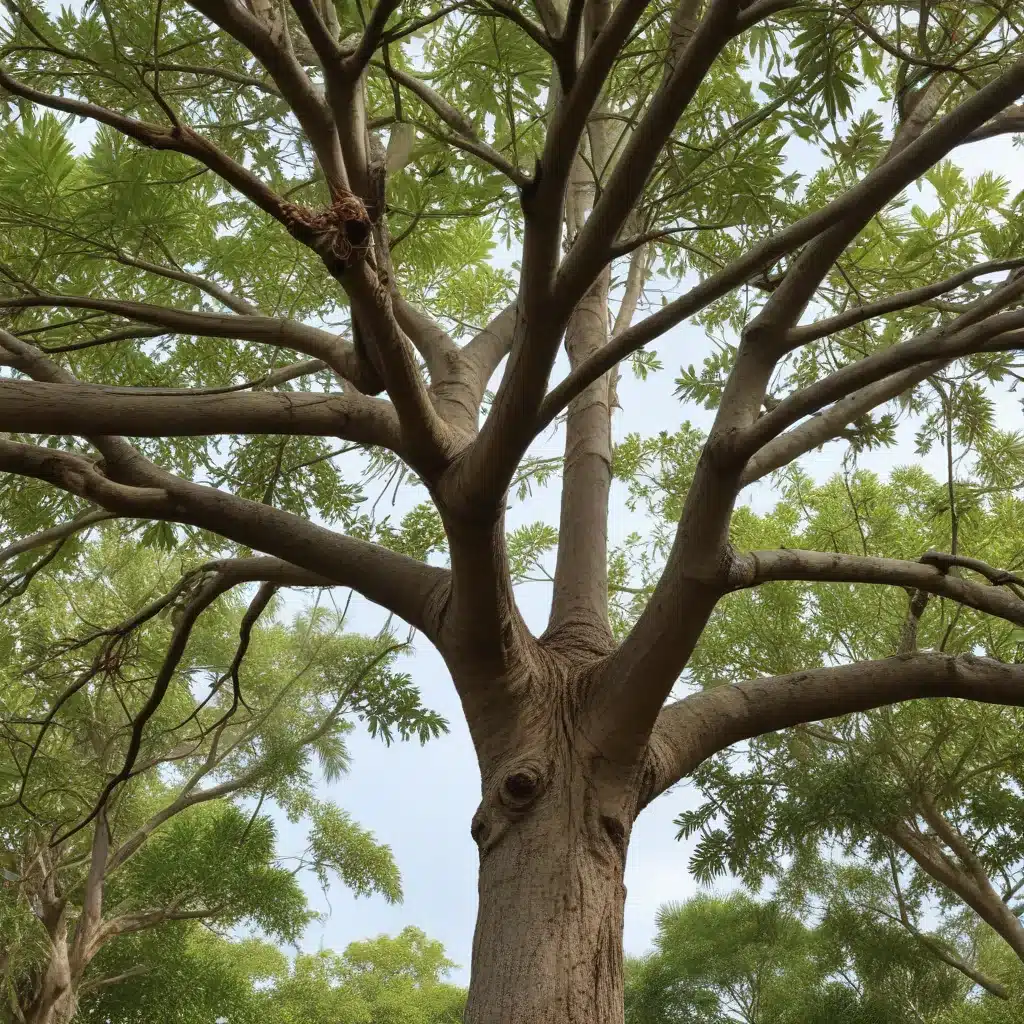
(548, 942)
(54, 1000)
(552, 835)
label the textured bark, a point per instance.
(552, 832)
(54, 1001)
(571, 736)
(548, 942)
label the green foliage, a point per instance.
(718, 960)
(189, 834)
(385, 980)
(194, 977)
(786, 120)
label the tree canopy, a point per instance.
(299, 294)
(734, 960)
(201, 977)
(248, 723)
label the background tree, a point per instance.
(234, 267)
(246, 719)
(732, 960)
(204, 977)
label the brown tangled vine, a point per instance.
(342, 229)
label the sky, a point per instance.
(420, 800)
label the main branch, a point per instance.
(691, 730)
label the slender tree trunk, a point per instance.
(552, 833)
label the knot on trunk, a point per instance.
(521, 787)
(342, 229)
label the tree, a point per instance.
(203, 977)
(925, 797)
(235, 266)
(731, 960)
(192, 976)
(386, 980)
(242, 724)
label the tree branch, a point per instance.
(271, 46)
(54, 533)
(1009, 122)
(798, 336)
(409, 588)
(181, 139)
(863, 199)
(339, 355)
(757, 567)
(942, 343)
(465, 136)
(431, 341)
(580, 591)
(128, 924)
(691, 730)
(594, 246)
(83, 409)
(211, 288)
(429, 442)
(372, 37)
(828, 425)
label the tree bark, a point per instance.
(548, 942)
(552, 831)
(54, 1001)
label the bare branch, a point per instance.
(531, 28)
(211, 288)
(428, 439)
(465, 136)
(372, 37)
(486, 349)
(757, 567)
(128, 924)
(205, 595)
(1009, 122)
(92, 894)
(83, 409)
(432, 343)
(264, 569)
(409, 588)
(180, 139)
(949, 958)
(828, 425)
(943, 343)
(691, 730)
(798, 336)
(270, 44)
(311, 341)
(593, 248)
(863, 200)
(580, 591)
(997, 577)
(54, 534)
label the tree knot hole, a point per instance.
(521, 788)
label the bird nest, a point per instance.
(343, 228)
